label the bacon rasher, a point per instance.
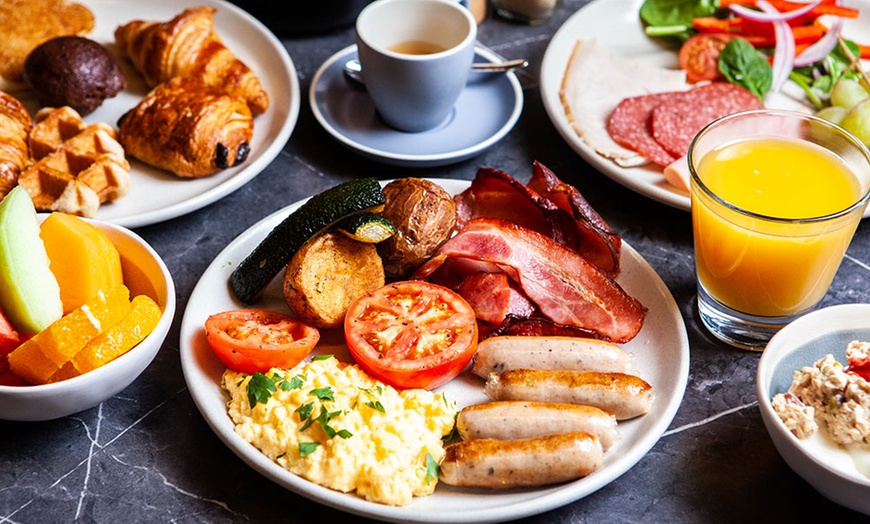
(546, 205)
(565, 286)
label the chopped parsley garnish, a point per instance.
(324, 393)
(432, 469)
(307, 448)
(261, 386)
(321, 357)
(374, 403)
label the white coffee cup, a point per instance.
(416, 56)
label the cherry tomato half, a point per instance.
(411, 334)
(252, 340)
(699, 56)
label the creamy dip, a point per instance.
(331, 423)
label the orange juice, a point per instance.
(766, 267)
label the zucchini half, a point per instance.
(367, 227)
(318, 213)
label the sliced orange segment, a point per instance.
(46, 352)
(133, 328)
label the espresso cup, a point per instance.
(416, 56)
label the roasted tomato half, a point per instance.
(411, 334)
(252, 340)
(699, 56)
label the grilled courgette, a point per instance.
(370, 228)
(314, 216)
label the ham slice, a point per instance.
(564, 286)
(595, 81)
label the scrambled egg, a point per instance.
(331, 423)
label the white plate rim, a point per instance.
(409, 160)
(623, 33)
(664, 343)
(257, 46)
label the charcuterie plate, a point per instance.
(616, 25)
(157, 195)
(661, 350)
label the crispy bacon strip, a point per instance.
(596, 240)
(546, 205)
(564, 285)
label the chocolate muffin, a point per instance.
(73, 71)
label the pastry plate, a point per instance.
(486, 110)
(157, 195)
(662, 357)
(616, 25)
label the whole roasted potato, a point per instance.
(424, 215)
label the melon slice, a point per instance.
(29, 292)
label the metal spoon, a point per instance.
(353, 69)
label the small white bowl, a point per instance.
(144, 273)
(830, 470)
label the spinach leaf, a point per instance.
(745, 66)
(674, 17)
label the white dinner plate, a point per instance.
(616, 25)
(662, 357)
(485, 112)
(157, 195)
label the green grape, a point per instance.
(847, 92)
(833, 114)
(857, 121)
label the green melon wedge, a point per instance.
(29, 292)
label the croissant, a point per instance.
(189, 128)
(15, 125)
(187, 45)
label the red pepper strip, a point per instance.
(865, 50)
(802, 35)
(827, 7)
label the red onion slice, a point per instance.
(784, 51)
(775, 15)
(821, 47)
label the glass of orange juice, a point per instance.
(776, 198)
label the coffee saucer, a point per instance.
(486, 111)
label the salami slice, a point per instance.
(676, 120)
(630, 126)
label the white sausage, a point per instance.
(497, 354)
(503, 464)
(516, 419)
(626, 396)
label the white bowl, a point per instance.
(830, 470)
(144, 273)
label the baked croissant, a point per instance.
(189, 128)
(188, 46)
(15, 125)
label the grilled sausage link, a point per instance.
(504, 464)
(497, 354)
(626, 396)
(517, 419)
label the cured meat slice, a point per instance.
(630, 125)
(679, 118)
(596, 79)
(546, 205)
(493, 298)
(597, 241)
(564, 285)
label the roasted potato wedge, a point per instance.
(328, 273)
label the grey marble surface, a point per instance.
(147, 455)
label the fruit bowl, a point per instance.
(828, 468)
(144, 273)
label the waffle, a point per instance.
(76, 166)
